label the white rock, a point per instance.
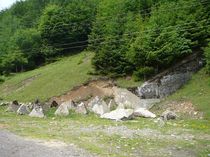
(142, 112)
(37, 112)
(118, 114)
(62, 110)
(98, 106)
(70, 104)
(81, 109)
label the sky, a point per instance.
(6, 3)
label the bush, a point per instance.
(144, 72)
(207, 56)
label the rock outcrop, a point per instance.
(169, 81)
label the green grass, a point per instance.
(83, 130)
(51, 80)
(61, 76)
(128, 83)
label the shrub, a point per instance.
(207, 56)
(143, 72)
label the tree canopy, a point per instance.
(128, 37)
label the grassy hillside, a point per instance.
(196, 91)
(50, 80)
(53, 80)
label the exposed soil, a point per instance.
(101, 88)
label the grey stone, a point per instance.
(168, 115)
(119, 114)
(81, 109)
(13, 107)
(167, 85)
(23, 110)
(148, 90)
(142, 112)
(37, 112)
(63, 109)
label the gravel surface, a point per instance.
(15, 146)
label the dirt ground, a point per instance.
(101, 88)
(14, 146)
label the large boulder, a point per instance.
(99, 106)
(119, 114)
(63, 109)
(142, 112)
(168, 115)
(23, 110)
(13, 107)
(37, 112)
(126, 99)
(112, 105)
(70, 104)
(81, 109)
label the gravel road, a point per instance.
(12, 145)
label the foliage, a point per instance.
(125, 35)
(162, 34)
(60, 26)
(207, 55)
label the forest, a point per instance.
(128, 37)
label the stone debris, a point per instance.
(119, 114)
(168, 115)
(142, 112)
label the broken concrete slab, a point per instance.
(142, 112)
(119, 114)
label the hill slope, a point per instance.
(50, 80)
